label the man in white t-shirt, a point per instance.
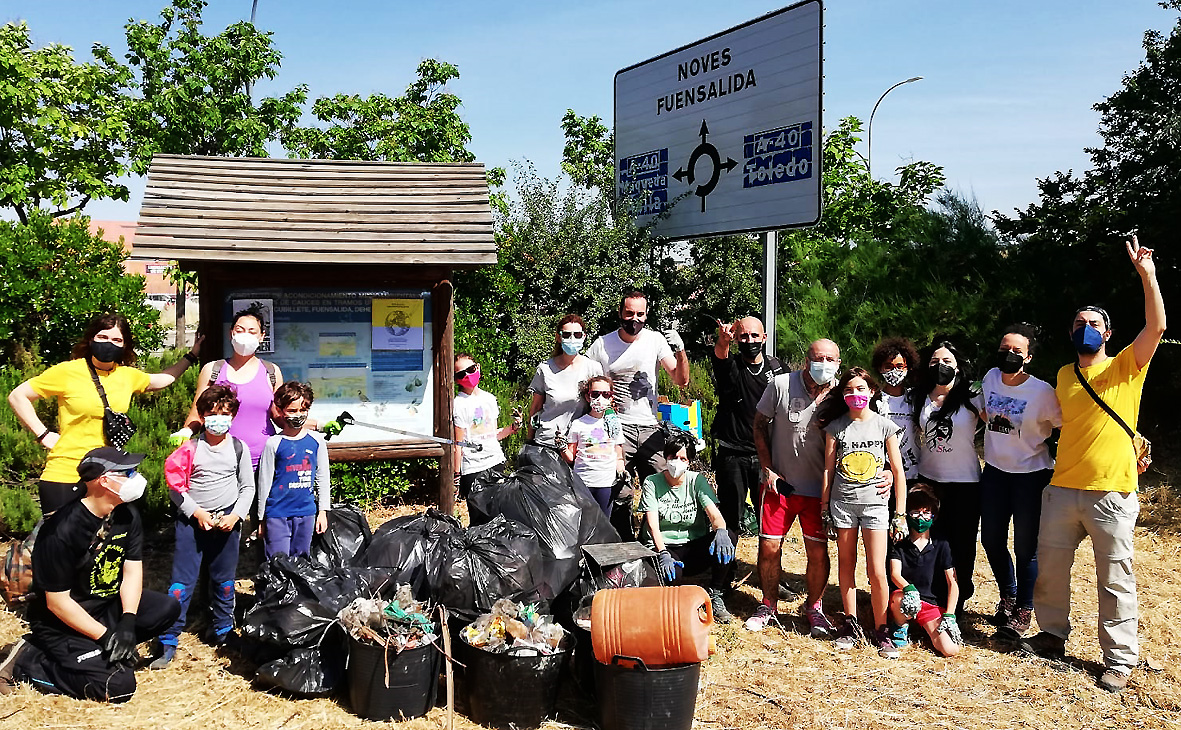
(629, 355)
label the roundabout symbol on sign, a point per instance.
(707, 149)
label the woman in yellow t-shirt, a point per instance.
(106, 345)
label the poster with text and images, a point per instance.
(330, 339)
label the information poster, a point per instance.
(364, 352)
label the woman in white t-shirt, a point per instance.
(557, 384)
(1020, 413)
(594, 444)
(897, 362)
(946, 419)
(475, 418)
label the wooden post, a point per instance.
(443, 319)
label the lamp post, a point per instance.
(869, 161)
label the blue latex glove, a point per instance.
(722, 547)
(668, 566)
(948, 625)
(911, 602)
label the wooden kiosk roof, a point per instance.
(271, 210)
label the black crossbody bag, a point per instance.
(117, 427)
(1142, 445)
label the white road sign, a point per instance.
(726, 131)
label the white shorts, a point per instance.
(865, 516)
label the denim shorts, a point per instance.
(865, 516)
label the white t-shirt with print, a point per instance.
(947, 450)
(594, 457)
(478, 415)
(901, 411)
(632, 368)
(1019, 420)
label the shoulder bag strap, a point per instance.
(94, 376)
(1115, 416)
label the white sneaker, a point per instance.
(762, 616)
(7, 665)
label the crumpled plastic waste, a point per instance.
(517, 627)
(400, 623)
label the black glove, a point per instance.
(118, 643)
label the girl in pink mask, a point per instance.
(594, 443)
(857, 445)
(475, 419)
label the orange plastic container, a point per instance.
(661, 625)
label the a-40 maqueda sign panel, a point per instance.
(724, 134)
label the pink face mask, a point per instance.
(470, 380)
(857, 400)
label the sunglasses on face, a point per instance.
(600, 394)
(575, 335)
(467, 371)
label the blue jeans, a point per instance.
(290, 535)
(219, 551)
(1016, 497)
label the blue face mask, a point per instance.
(1087, 340)
(572, 346)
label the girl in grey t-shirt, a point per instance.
(858, 442)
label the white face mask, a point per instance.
(244, 343)
(133, 488)
(676, 467)
(218, 425)
(823, 372)
(600, 404)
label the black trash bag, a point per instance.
(403, 544)
(296, 599)
(347, 536)
(471, 569)
(309, 672)
(544, 496)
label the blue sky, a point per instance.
(1006, 96)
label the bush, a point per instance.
(18, 511)
(369, 483)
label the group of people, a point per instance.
(246, 449)
(887, 454)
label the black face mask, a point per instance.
(633, 326)
(942, 373)
(1009, 362)
(750, 350)
(105, 352)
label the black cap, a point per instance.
(105, 459)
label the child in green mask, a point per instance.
(922, 571)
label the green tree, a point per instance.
(63, 126)
(192, 90)
(422, 125)
(57, 276)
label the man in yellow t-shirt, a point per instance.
(1093, 490)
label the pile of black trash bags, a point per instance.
(523, 545)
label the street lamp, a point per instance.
(869, 162)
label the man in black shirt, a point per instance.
(740, 379)
(91, 610)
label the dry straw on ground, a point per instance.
(769, 680)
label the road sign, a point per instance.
(724, 134)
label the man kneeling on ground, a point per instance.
(91, 610)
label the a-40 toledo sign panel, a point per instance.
(724, 134)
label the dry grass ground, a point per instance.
(768, 680)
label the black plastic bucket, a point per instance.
(512, 688)
(413, 679)
(634, 697)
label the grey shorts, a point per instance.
(865, 516)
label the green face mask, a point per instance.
(919, 524)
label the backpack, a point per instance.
(178, 467)
(16, 572)
(219, 364)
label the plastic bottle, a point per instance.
(662, 625)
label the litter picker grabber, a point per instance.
(346, 419)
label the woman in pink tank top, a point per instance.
(253, 379)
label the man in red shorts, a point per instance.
(791, 454)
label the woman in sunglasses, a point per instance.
(595, 444)
(558, 383)
(475, 418)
